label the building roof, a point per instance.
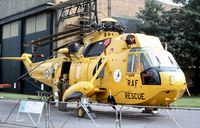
(25, 13)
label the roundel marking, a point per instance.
(117, 75)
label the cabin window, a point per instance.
(95, 49)
(132, 63)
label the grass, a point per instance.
(185, 101)
(14, 96)
(188, 101)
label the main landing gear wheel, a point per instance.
(81, 112)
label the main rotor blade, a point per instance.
(64, 37)
(57, 34)
(56, 49)
(59, 38)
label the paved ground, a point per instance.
(105, 118)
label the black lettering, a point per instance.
(136, 96)
(136, 82)
(132, 96)
(142, 95)
(129, 83)
(129, 94)
(132, 82)
(126, 95)
(139, 96)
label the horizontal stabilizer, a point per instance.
(12, 58)
(25, 58)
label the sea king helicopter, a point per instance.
(110, 67)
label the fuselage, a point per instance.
(139, 74)
(137, 71)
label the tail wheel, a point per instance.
(148, 110)
(81, 112)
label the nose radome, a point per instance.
(177, 78)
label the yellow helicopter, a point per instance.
(111, 67)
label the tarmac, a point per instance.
(105, 117)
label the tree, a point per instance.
(189, 4)
(180, 27)
(150, 17)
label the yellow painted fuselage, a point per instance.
(128, 88)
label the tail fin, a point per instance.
(25, 58)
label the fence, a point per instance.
(103, 116)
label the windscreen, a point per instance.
(156, 58)
(150, 60)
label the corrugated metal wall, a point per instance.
(15, 36)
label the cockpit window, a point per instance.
(144, 62)
(149, 76)
(132, 63)
(155, 58)
(166, 59)
(148, 63)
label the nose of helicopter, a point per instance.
(173, 86)
(177, 80)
